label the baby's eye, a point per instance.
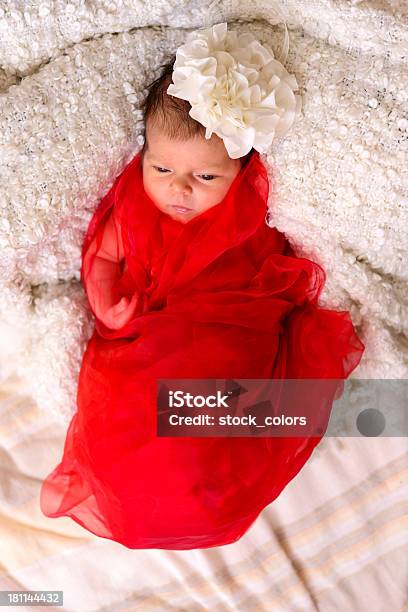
(210, 177)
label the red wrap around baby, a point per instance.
(223, 296)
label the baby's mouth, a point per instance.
(181, 209)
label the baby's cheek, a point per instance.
(150, 189)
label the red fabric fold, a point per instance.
(222, 296)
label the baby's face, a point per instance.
(195, 174)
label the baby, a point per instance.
(184, 174)
(217, 297)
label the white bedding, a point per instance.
(70, 84)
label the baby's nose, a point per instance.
(181, 186)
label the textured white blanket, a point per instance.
(72, 76)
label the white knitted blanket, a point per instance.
(72, 76)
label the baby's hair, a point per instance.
(169, 113)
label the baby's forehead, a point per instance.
(187, 153)
(161, 142)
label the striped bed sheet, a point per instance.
(335, 539)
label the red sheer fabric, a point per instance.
(222, 296)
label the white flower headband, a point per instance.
(236, 88)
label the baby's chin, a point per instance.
(180, 216)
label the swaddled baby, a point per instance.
(187, 281)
